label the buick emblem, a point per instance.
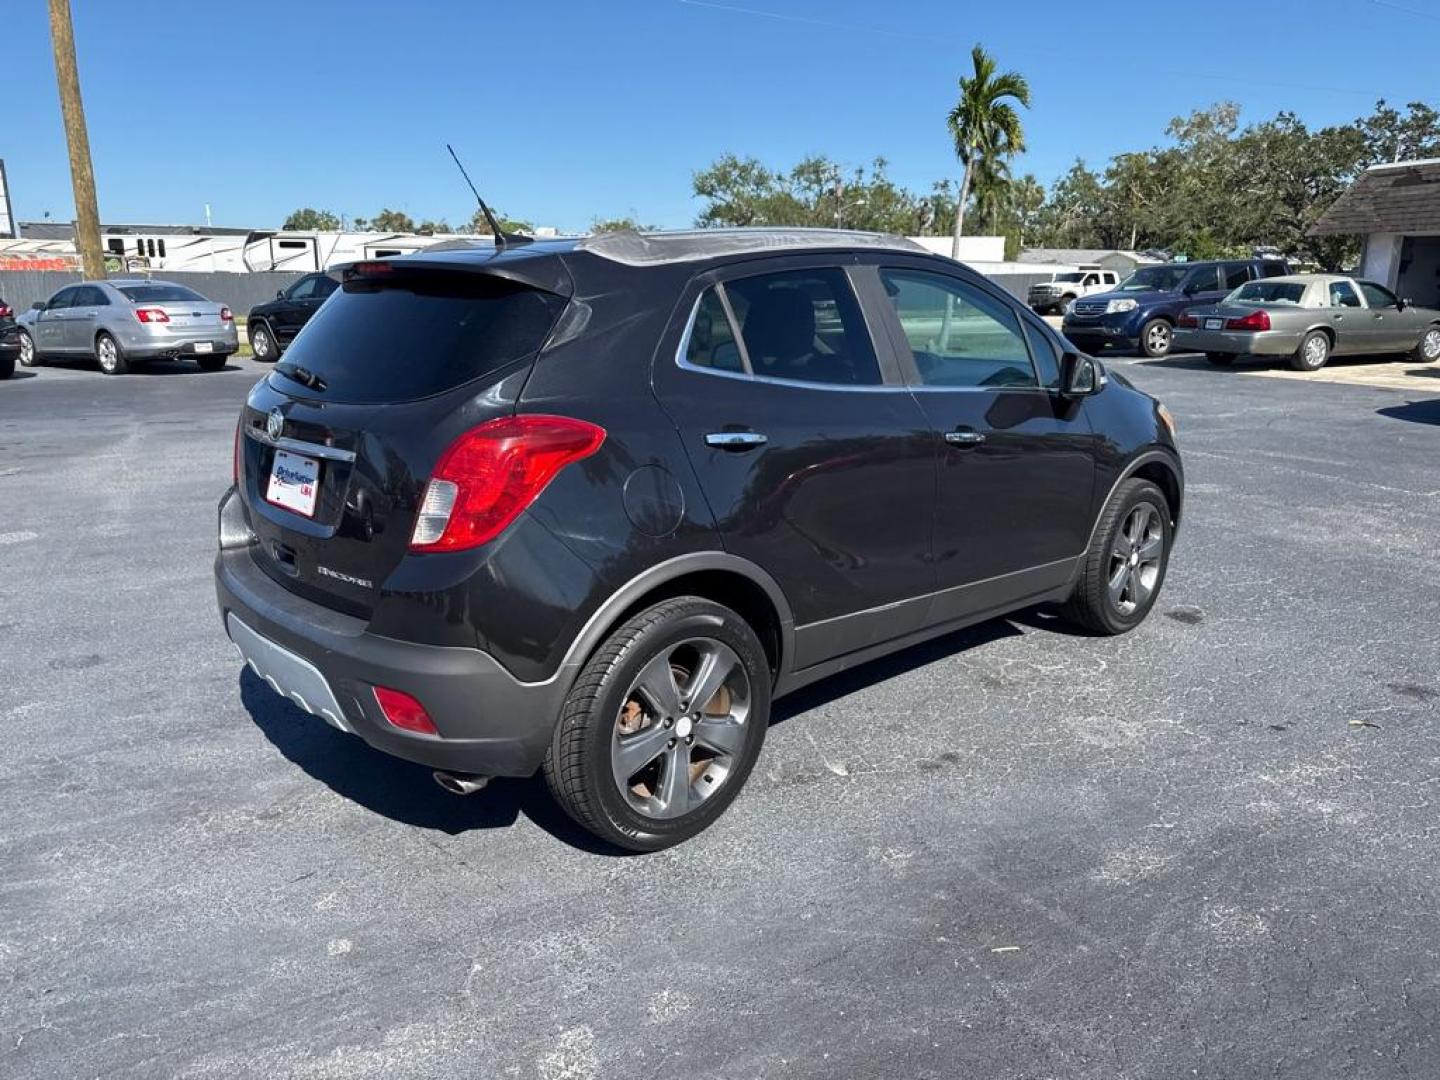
(275, 423)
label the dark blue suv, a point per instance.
(1141, 313)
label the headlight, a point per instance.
(1166, 418)
(1115, 307)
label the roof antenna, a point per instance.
(502, 238)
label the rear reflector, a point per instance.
(490, 474)
(403, 711)
(151, 314)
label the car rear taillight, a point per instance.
(1256, 320)
(151, 314)
(493, 472)
(226, 315)
(403, 711)
(6, 311)
(1186, 319)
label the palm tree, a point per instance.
(984, 124)
(990, 185)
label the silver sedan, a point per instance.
(1308, 318)
(121, 321)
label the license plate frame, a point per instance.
(294, 483)
(1214, 324)
(204, 346)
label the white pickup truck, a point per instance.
(1066, 285)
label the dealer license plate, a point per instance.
(294, 482)
(204, 346)
(1214, 324)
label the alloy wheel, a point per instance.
(1157, 340)
(107, 354)
(1430, 344)
(681, 729)
(1315, 351)
(1135, 558)
(27, 351)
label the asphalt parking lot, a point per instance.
(1206, 849)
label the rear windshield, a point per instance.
(1270, 292)
(412, 335)
(159, 294)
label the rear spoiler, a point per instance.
(540, 270)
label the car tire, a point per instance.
(1156, 337)
(212, 363)
(683, 763)
(262, 344)
(1427, 349)
(1314, 350)
(29, 356)
(110, 356)
(1220, 359)
(1124, 567)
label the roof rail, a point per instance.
(658, 248)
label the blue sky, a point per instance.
(564, 110)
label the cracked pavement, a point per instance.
(1205, 849)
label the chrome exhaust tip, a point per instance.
(460, 783)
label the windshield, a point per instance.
(1270, 292)
(1158, 278)
(160, 293)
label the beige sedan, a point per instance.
(1307, 318)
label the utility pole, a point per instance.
(82, 176)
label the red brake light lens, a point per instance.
(151, 315)
(490, 474)
(1256, 320)
(6, 311)
(403, 711)
(226, 315)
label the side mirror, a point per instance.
(279, 294)
(1080, 375)
(1405, 302)
(38, 305)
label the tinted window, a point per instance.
(1047, 359)
(302, 289)
(1270, 292)
(958, 335)
(1273, 269)
(805, 326)
(1376, 296)
(1203, 279)
(712, 342)
(414, 334)
(1159, 278)
(324, 286)
(91, 296)
(1236, 274)
(62, 299)
(160, 293)
(1342, 295)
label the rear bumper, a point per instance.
(328, 664)
(1235, 342)
(141, 345)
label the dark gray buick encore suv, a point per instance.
(591, 506)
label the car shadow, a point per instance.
(1417, 412)
(397, 789)
(177, 367)
(19, 373)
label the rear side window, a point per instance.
(712, 343)
(1236, 274)
(1342, 295)
(411, 335)
(1273, 269)
(1203, 279)
(804, 326)
(958, 335)
(159, 294)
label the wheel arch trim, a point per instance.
(1166, 458)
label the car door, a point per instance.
(86, 305)
(1203, 286)
(1348, 317)
(50, 323)
(816, 461)
(1016, 476)
(1390, 330)
(298, 305)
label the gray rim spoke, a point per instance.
(657, 685)
(634, 752)
(716, 664)
(1118, 581)
(673, 798)
(1150, 549)
(720, 734)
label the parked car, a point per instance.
(120, 322)
(1055, 294)
(273, 325)
(9, 341)
(1141, 314)
(625, 491)
(1308, 318)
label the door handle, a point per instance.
(964, 438)
(737, 441)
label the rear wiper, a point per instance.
(304, 376)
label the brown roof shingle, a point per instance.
(1400, 198)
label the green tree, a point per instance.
(1027, 197)
(984, 124)
(619, 224)
(478, 226)
(307, 219)
(430, 228)
(393, 221)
